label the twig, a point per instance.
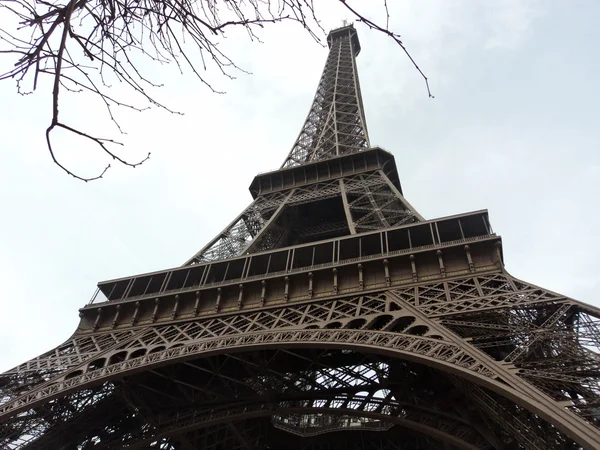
(84, 45)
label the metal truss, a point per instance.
(315, 416)
(327, 386)
(336, 123)
(370, 200)
(238, 235)
(374, 203)
(520, 358)
(515, 430)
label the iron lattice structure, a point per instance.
(329, 315)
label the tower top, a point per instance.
(335, 124)
(345, 31)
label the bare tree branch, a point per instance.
(396, 37)
(81, 45)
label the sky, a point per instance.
(513, 128)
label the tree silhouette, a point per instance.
(80, 44)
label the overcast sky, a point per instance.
(514, 128)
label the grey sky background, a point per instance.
(514, 128)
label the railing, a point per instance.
(100, 297)
(405, 239)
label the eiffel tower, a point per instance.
(328, 315)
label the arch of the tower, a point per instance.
(298, 378)
(380, 353)
(303, 390)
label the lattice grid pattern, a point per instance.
(336, 386)
(335, 124)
